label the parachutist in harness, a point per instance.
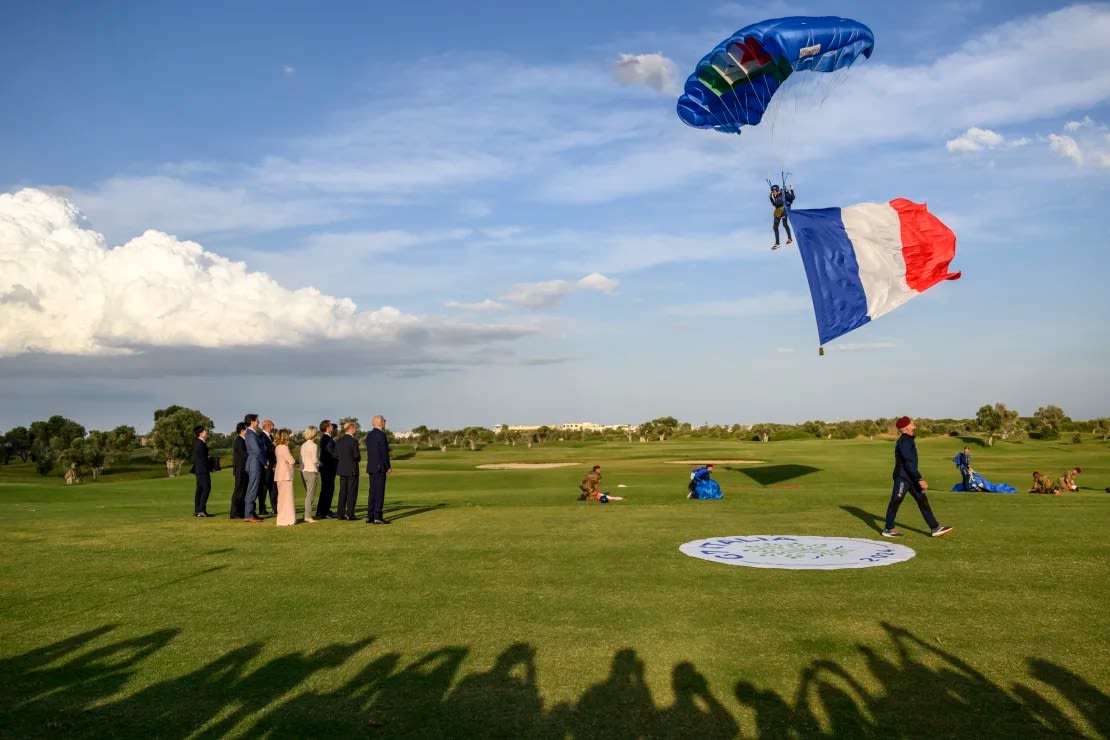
(782, 199)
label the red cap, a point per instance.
(903, 422)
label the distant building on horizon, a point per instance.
(572, 426)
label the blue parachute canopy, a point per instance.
(733, 84)
(977, 482)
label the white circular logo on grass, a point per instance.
(797, 552)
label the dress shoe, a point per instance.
(331, 515)
(382, 521)
(253, 519)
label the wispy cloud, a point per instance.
(342, 245)
(760, 305)
(551, 292)
(556, 147)
(486, 305)
(289, 70)
(1085, 143)
(859, 346)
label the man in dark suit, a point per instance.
(378, 466)
(327, 468)
(239, 470)
(269, 453)
(200, 470)
(346, 449)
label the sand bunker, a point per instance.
(714, 462)
(525, 466)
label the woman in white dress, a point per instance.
(283, 477)
(309, 461)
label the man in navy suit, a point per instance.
(269, 487)
(327, 468)
(377, 465)
(346, 449)
(256, 463)
(201, 471)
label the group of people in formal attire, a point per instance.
(264, 467)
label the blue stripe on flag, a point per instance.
(839, 302)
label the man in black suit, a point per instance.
(327, 468)
(377, 465)
(346, 449)
(269, 454)
(200, 470)
(239, 470)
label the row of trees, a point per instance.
(992, 421)
(62, 443)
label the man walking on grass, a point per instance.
(907, 479)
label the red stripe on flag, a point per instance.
(927, 245)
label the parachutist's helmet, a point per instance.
(775, 188)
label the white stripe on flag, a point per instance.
(876, 235)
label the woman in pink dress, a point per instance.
(283, 477)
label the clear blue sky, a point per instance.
(524, 229)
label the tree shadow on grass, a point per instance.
(82, 686)
(769, 475)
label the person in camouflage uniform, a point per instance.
(590, 485)
(1067, 482)
(1043, 484)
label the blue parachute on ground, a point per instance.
(707, 489)
(977, 482)
(732, 86)
(702, 486)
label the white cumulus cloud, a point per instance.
(550, 292)
(977, 139)
(64, 291)
(652, 70)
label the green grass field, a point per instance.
(498, 606)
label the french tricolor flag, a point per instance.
(866, 260)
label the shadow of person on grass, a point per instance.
(401, 510)
(878, 521)
(922, 690)
(906, 686)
